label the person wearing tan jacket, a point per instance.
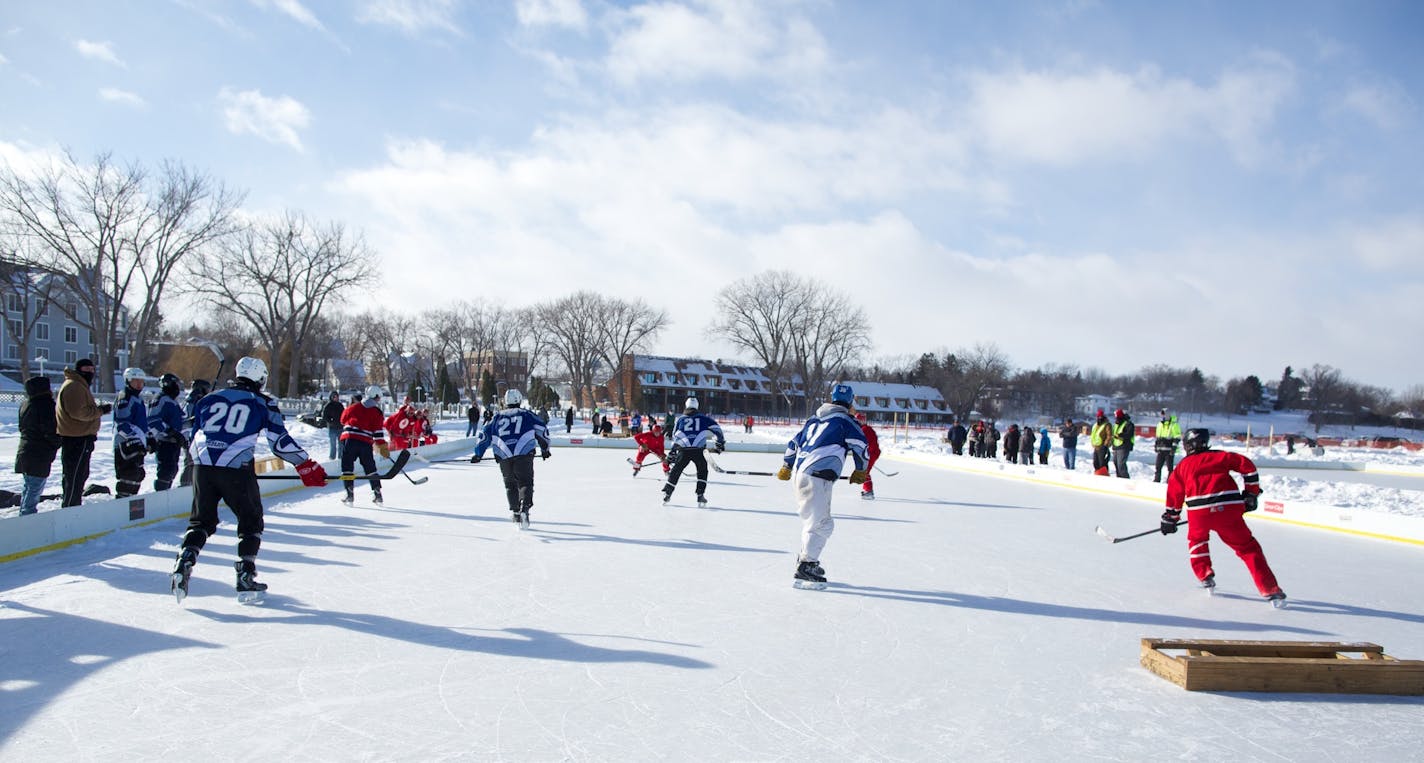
(77, 419)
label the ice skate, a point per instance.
(248, 589)
(349, 500)
(1209, 583)
(667, 496)
(809, 575)
(522, 519)
(379, 501)
(701, 501)
(182, 570)
(868, 495)
(1277, 599)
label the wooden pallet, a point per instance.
(1325, 667)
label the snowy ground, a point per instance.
(970, 618)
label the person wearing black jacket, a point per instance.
(331, 414)
(957, 435)
(39, 441)
(473, 416)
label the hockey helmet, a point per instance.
(132, 373)
(170, 384)
(690, 404)
(1196, 440)
(860, 416)
(373, 392)
(843, 394)
(1119, 413)
(513, 398)
(251, 369)
(201, 387)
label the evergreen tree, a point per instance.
(1288, 392)
(445, 390)
(488, 390)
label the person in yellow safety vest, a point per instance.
(1123, 435)
(1169, 433)
(1101, 439)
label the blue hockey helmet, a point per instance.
(842, 394)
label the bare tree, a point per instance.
(626, 328)
(979, 370)
(571, 328)
(278, 276)
(1325, 387)
(28, 288)
(387, 337)
(792, 325)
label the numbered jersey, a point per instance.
(513, 432)
(821, 445)
(226, 425)
(165, 419)
(693, 431)
(130, 418)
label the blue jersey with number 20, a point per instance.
(226, 425)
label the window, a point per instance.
(42, 332)
(734, 383)
(42, 352)
(12, 352)
(15, 303)
(751, 384)
(43, 308)
(882, 402)
(71, 335)
(650, 377)
(71, 357)
(921, 404)
(15, 328)
(861, 402)
(692, 379)
(715, 381)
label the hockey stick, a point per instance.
(882, 471)
(717, 468)
(1104, 533)
(398, 463)
(650, 463)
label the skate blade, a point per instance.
(179, 592)
(808, 585)
(1279, 603)
(251, 597)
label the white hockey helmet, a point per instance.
(513, 398)
(133, 373)
(251, 369)
(691, 403)
(373, 392)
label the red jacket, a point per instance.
(401, 423)
(361, 423)
(872, 446)
(1203, 481)
(652, 440)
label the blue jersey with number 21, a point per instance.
(226, 425)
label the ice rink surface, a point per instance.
(969, 618)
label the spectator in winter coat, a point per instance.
(976, 440)
(650, 442)
(1026, 445)
(472, 414)
(872, 454)
(569, 420)
(165, 431)
(1215, 503)
(39, 441)
(1044, 445)
(957, 436)
(1069, 434)
(1124, 434)
(1011, 444)
(1169, 433)
(1100, 437)
(130, 435)
(331, 416)
(993, 440)
(748, 423)
(77, 418)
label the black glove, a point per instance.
(1169, 521)
(106, 409)
(152, 445)
(718, 447)
(132, 450)
(1250, 500)
(673, 454)
(474, 459)
(544, 455)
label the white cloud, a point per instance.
(123, 97)
(99, 51)
(1387, 106)
(277, 120)
(294, 10)
(731, 39)
(1066, 118)
(3, 59)
(561, 13)
(1390, 246)
(410, 16)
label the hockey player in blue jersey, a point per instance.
(226, 425)
(165, 430)
(815, 457)
(130, 435)
(514, 433)
(200, 388)
(689, 440)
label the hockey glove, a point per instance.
(859, 476)
(719, 447)
(152, 444)
(674, 454)
(1250, 500)
(784, 473)
(475, 459)
(1169, 520)
(544, 455)
(383, 449)
(105, 409)
(133, 450)
(312, 474)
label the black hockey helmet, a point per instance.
(170, 384)
(1196, 440)
(201, 387)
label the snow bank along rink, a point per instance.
(970, 618)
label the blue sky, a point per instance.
(1234, 186)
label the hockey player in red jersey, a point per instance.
(1203, 483)
(401, 426)
(650, 442)
(361, 431)
(872, 454)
